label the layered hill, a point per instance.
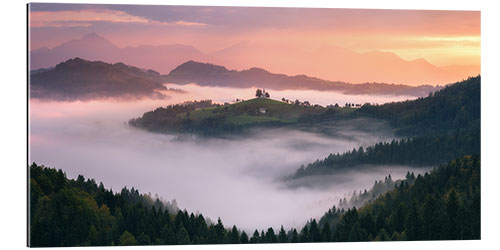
(79, 79)
(341, 64)
(326, 62)
(207, 74)
(161, 58)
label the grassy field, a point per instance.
(234, 118)
(248, 112)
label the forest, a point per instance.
(435, 129)
(416, 151)
(457, 106)
(443, 204)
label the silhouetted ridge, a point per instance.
(79, 79)
(192, 67)
(207, 74)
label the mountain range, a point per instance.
(327, 62)
(93, 47)
(80, 79)
(206, 74)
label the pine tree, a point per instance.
(234, 236)
(326, 233)
(295, 236)
(255, 237)
(182, 236)
(221, 232)
(452, 208)
(168, 236)
(143, 239)
(398, 218)
(270, 236)
(431, 228)
(212, 236)
(282, 237)
(243, 238)
(127, 239)
(304, 235)
(368, 224)
(314, 233)
(413, 223)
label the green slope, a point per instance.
(216, 119)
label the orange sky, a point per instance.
(443, 38)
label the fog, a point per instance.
(313, 96)
(237, 180)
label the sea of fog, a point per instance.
(234, 179)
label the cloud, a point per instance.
(87, 17)
(184, 23)
(71, 18)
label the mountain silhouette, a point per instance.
(340, 64)
(78, 79)
(162, 58)
(327, 62)
(207, 74)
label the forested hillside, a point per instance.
(441, 205)
(417, 151)
(457, 106)
(444, 204)
(438, 128)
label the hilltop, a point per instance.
(79, 79)
(207, 118)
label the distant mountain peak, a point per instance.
(92, 35)
(74, 63)
(89, 42)
(96, 38)
(93, 46)
(256, 70)
(197, 67)
(420, 61)
(387, 54)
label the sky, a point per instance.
(442, 37)
(436, 46)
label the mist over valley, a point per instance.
(218, 177)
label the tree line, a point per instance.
(417, 151)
